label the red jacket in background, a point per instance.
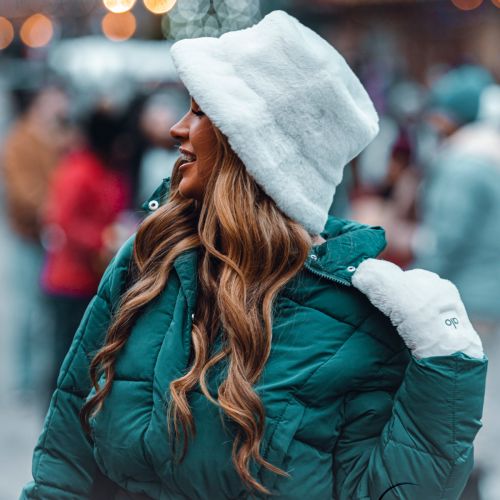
(84, 199)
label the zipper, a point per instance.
(340, 281)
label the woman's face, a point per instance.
(198, 143)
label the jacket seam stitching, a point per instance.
(330, 357)
(64, 490)
(58, 389)
(144, 446)
(418, 450)
(344, 404)
(278, 423)
(453, 420)
(388, 360)
(335, 318)
(43, 444)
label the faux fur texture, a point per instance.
(291, 107)
(426, 310)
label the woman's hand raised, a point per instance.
(426, 310)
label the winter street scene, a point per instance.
(249, 249)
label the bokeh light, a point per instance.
(159, 6)
(119, 27)
(37, 31)
(467, 4)
(119, 6)
(6, 33)
(496, 3)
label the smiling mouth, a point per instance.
(187, 156)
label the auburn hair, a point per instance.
(248, 251)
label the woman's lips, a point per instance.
(187, 157)
(185, 165)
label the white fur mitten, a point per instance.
(426, 310)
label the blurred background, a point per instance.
(88, 93)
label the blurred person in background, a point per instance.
(32, 150)
(459, 235)
(6, 105)
(389, 174)
(146, 150)
(88, 193)
(159, 114)
(391, 202)
(399, 191)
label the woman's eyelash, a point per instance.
(197, 113)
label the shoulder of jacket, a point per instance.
(346, 304)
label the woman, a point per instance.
(230, 356)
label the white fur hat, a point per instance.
(290, 106)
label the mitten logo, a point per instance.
(452, 322)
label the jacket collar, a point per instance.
(347, 244)
(158, 198)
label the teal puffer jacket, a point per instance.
(350, 414)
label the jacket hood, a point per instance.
(347, 244)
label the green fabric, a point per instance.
(349, 412)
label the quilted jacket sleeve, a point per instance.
(63, 464)
(414, 441)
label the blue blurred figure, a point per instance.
(459, 237)
(460, 233)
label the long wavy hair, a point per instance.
(248, 251)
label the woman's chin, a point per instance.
(188, 190)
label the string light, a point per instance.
(119, 27)
(159, 6)
(467, 4)
(6, 33)
(37, 31)
(119, 6)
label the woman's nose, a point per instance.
(180, 131)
